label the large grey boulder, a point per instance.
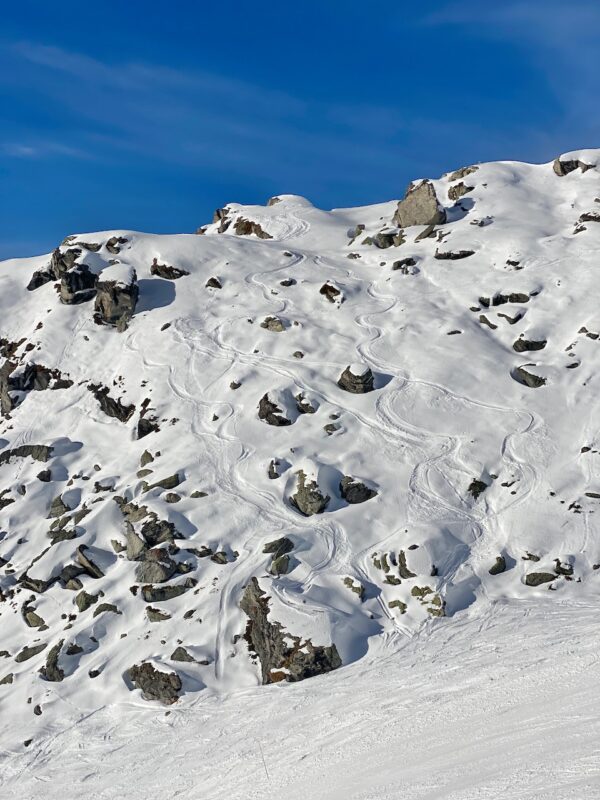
(78, 285)
(155, 684)
(354, 491)
(280, 659)
(156, 567)
(309, 499)
(420, 206)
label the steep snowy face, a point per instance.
(265, 451)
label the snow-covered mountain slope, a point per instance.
(385, 423)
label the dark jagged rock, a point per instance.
(170, 482)
(157, 531)
(58, 508)
(477, 488)
(78, 285)
(181, 654)
(93, 570)
(420, 206)
(213, 283)
(562, 168)
(110, 406)
(280, 565)
(357, 379)
(403, 569)
(39, 452)
(498, 567)
(279, 547)
(272, 471)
(155, 684)
(83, 600)
(113, 245)
(51, 671)
(462, 173)
(106, 607)
(160, 594)
(115, 302)
(38, 378)
(330, 292)
(166, 271)
(452, 255)
(271, 413)
(39, 278)
(354, 491)
(6, 401)
(273, 324)
(303, 405)
(279, 660)
(521, 375)
(526, 345)
(308, 498)
(386, 238)
(404, 264)
(29, 652)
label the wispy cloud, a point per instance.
(37, 149)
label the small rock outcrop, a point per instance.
(521, 375)
(354, 491)
(270, 413)
(245, 227)
(166, 271)
(155, 684)
(538, 578)
(357, 379)
(498, 567)
(116, 300)
(78, 285)
(110, 406)
(420, 206)
(280, 660)
(156, 567)
(309, 499)
(564, 167)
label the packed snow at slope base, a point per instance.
(289, 443)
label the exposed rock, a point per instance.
(303, 405)
(308, 498)
(113, 245)
(330, 291)
(386, 238)
(521, 375)
(279, 661)
(404, 265)
(51, 671)
(272, 471)
(170, 482)
(279, 547)
(110, 406)
(135, 546)
(500, 299)
(563, 569)
(357, 379)
(6, 401)
(86, 562)
(58, 508)
(562, 168)
(167, 272)
(271, 413)
(420, 206)
(353, 491)
(157, 531)
(104, 607)
(146, 458)
(160, 594)
(476, 488)
(245, 227)
(498, 567)
(273, 324)
(538, 578)
(116, 301)
(462, 173)
(29, 652)
(38, 378)
(78, 285)
(155, 684)
(84, 600)
(156, 567)
(7, 679)
(156, 615)
(452, 255)
(458, 191)
(526, 345)
(213, 283)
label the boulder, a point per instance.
(273, 324)
(354, 491)
(116, 299)
(155, 567)
(51, 671)
(564, 167)
(420, 206)
(308, 498)
(357, 379)
(498, 567)
(521, 375)
(155, 684)
(245, 227)
(166, 271)
(331, 292)
(110, 406)
(452, 255)
(270, 413)
(281, 660)
(78, 285)
(527, 345)
(458, 191)
(538, 578)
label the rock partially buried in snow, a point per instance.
(155, 684)
(563, 166)
(357, 379)
(78, 285)
(539, 578)
(116, 298)
(420, 206)
(280, 659)
(354, 491)
(309, 499)
(521, 375)
(166, 271)
(270, 413)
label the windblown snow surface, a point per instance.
(455, 682)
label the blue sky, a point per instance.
(148, 115)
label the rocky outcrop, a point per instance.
(354, 491)
(116, 300)
(51, 671)
(526, 345)
(309, 499)
(245, 227)
(539, 578)
(452, 255)
(458, 191)
(6, 401)
(110, 406)
(270, 413)
(498, 567)
(357, 379)
(420, 206)
(38, 452)
(78, 285)
(273, 324)
(564, 167)
(166, 271)
(331, 292)
(280, 660)
(155, 684)
(156, 567)
(521, 375)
